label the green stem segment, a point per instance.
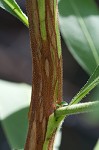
(47, 70)
(77, 108)
(56, 119)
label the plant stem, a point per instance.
(56, 119)
(47, 70)
(77, 108)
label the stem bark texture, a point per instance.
(46, 69)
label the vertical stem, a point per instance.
(47, 69)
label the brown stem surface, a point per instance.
(46, 70)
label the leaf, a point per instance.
(96, 146)
(13, 8)
(14, 105)
(91, 83)
(79, 25)
(15, 127)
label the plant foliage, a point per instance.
(79, 25)
(13, 8)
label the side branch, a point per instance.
(56, 119)
(77, 108)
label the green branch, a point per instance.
(77, 108)
(91, 84)
(56, 119)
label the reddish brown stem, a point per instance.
(47, 73)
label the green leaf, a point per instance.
(91, 83)
(96, 146)
(14, 106)
(15, 127)
(79, 24)
(12, 7)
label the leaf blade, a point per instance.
(79, 22)
(14, 106)
(13, 8)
